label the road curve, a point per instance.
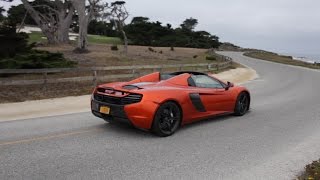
(274, 141)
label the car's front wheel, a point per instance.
(242, 104)
(167, 119)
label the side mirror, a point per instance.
(229, 85)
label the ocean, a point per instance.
(312, 58)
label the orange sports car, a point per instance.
(163, 102)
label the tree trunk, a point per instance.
(50, 37)
(64, 25)
(63, 33)
(83, 33)
(44, 27)
(80, 6)
(125, 39)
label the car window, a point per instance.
(204, 81)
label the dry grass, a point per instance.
(22, 93)
(268, 56)
(101, 56)
(36, 92)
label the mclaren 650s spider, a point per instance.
(162, 103)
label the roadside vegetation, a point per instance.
(141, 31)
(104, 41)
(17, 53)
(273, 57)
(38, 37)
(101, 55)
(311, 172)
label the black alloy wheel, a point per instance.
(167, 119)
(242, 104)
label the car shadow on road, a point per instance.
(124, 130)
(132, 132)
(212, 120)
(206, 122)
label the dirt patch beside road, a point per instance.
(238, 76)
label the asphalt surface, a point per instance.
(274, 140)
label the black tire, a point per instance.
(242, 104)
(167, 119)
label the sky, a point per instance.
(284, 26)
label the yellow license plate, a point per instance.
(104, 110)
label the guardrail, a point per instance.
(135, 72)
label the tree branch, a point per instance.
(46, 6)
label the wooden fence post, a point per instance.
(133, 73)
(45, 80)
(95, 75)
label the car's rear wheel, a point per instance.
(167, 119)
(242, 104)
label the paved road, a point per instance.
(274, 141)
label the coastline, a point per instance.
(309, 58)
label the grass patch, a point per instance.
(311, 172)
(97, 39)
(211, 56)
(273, 57)
(104, 40)
(35, 37)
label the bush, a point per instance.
(195, 56)
(312, 171)
(36, 60)
(12, 43)
(114, 48)
(16, 53)
(151, 49)
(211, 58)
(289, 57)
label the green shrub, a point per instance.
(289, 57)
(312, 171)
(36, 60)
(16, 53)
(12, 43)
(211, 58)
(114, 48)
